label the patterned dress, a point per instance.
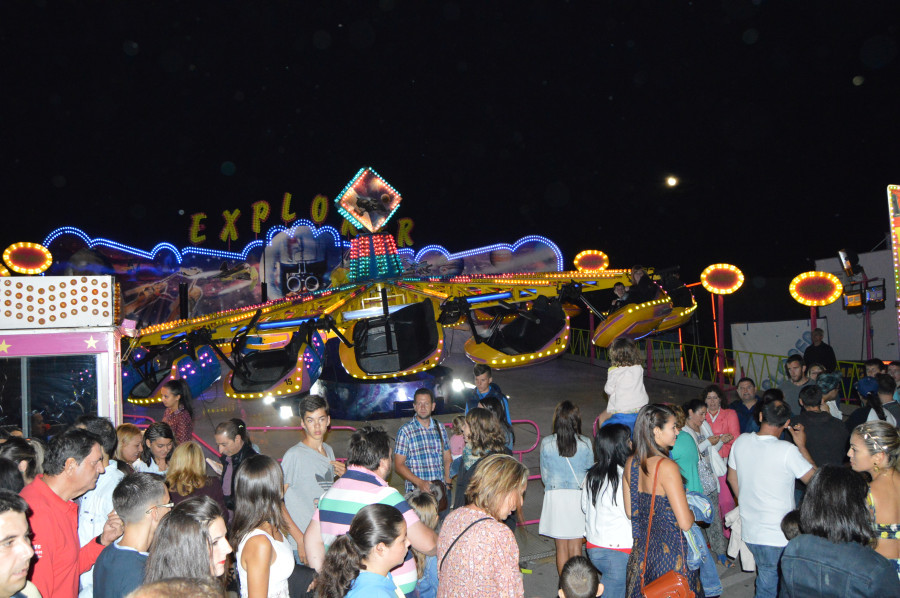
(667, 545)
(181, 423)
(484, 563)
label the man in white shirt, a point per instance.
(96, 504)
(761, 472)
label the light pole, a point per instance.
(720, 280)
(815, 289)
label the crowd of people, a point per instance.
(808, 497)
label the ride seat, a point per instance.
(528, 334)
(414, 336)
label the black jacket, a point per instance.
(238, 458)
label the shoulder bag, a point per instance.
(716, 461)
(452, 544)
(669, 585)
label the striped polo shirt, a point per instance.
(350, 493)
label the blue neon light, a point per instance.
(179, 255)
(223, 254)
(282, 323)
(480, 250)
(150, 255)
(485, 298)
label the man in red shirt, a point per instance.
(73, 463)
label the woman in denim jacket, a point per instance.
(566, 456)
(834, 558)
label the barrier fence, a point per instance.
(698, 362)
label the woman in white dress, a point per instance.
(566, 456)
(265, 560)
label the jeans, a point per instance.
(612, 564)
(766, 558)
(709, 576)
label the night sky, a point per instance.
(494, 120)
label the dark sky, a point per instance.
(494, 120)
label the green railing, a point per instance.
(701, 363)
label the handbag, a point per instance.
(716, 461)
(572, 469)
(671, 584)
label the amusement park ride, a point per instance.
(384, 322)
(387, 323)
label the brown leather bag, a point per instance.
(669, 585)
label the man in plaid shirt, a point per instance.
(422, 453)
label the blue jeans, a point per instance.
(766, 558)
(612, 564)
(709, 576)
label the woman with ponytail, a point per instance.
(176, 397)
(358, 563)
(875, 450)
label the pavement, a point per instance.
(533, 395)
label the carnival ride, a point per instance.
(389, 321)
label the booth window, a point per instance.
(44, 395)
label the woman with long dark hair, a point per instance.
(608, 530)
(358, 563)
(654, 489)
(189, 542)
(22, 453)
(566, 456)
(265, 560)
(833, 556)
(176, 398)
(159, 442)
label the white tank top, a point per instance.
(279, 571)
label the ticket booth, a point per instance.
(59, 352)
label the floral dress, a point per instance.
(715, 534)
(667, 548)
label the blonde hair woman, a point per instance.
(186, 476)
(477, 554)
(128, 449)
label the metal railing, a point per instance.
(698, 362)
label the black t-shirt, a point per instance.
(826, 437)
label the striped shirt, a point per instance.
(350, 493)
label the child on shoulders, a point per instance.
(624, 385)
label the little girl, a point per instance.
(358, 563)
(457, 443)
(426, 507)
(624, 385)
